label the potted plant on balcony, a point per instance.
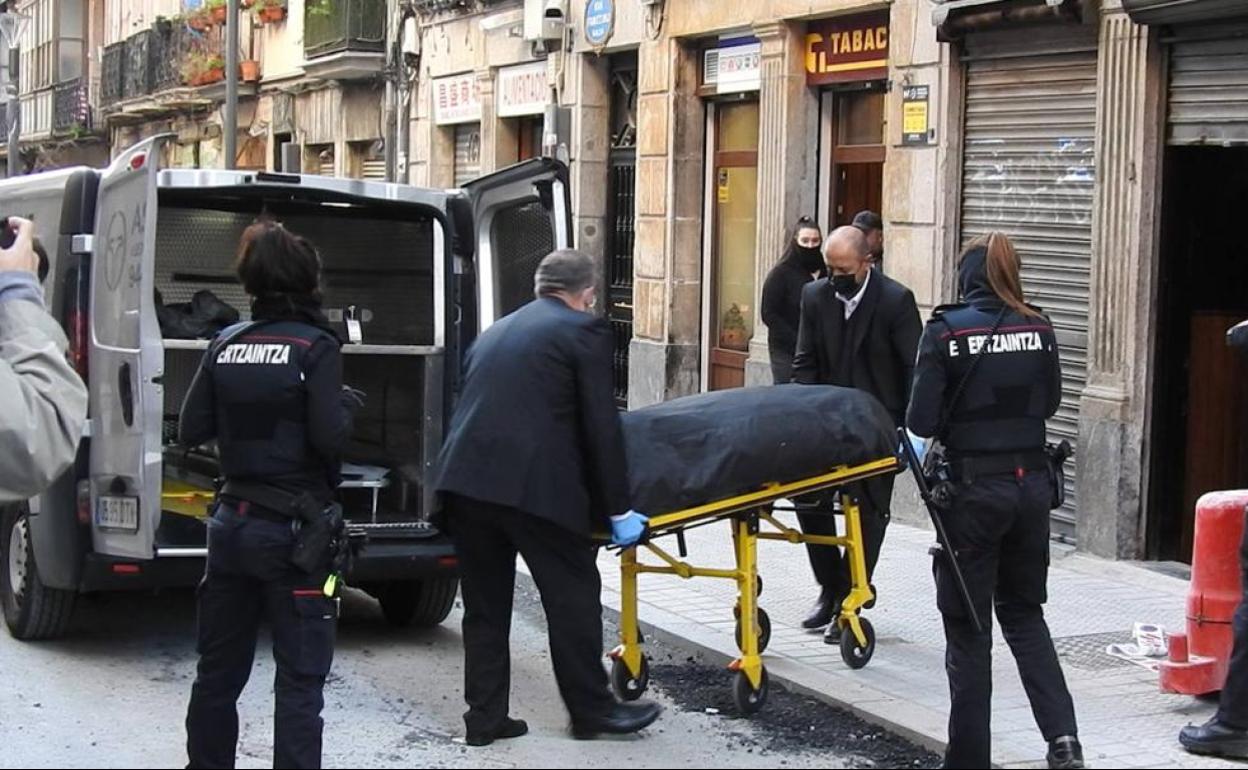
(249, 71)
(202, 68)
(216, 10)
(214, 70)
(269, 11)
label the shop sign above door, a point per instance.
(847, 48)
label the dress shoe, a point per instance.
(1216, 739)
(1065, 753)
(623, 718)
(833, 633)
(821, 614)
(510, 728)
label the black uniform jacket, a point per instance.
(536, 426)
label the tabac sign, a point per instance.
(847, 48)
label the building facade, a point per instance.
(1097, 133)
(1109, 138)
(311, 92)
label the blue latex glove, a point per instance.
(628, 528)
(920, 445)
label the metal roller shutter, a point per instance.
(1028, 170)
(467, 153)
(1209, 85)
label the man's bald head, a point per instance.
(847, 253)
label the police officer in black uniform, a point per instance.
(986, 380)
(270, 392)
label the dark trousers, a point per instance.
(781, 366)
(1233, 707)
(999, 529)
(249, 578)
(487, 538)
(830, 565)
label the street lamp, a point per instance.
(12, 25)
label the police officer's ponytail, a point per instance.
(1003, 267)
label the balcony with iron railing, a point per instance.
(344, 39)
(71, 110)
(148, 72)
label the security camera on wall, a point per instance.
(545, 22)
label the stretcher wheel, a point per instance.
(870, 603)
(748, 700)
(764, 631)
(855, 655)
(627, 686)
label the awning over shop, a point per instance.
(1181, 11)
(942, 8)
(954, 18)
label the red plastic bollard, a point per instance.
(1177, 644)
(1211, 601)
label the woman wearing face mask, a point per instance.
(782, 295)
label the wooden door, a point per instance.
(1217, 442)
(857, 155)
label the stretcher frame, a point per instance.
(747, 514)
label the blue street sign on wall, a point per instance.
(599, 21)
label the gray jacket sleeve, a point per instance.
(44, 403)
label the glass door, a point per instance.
(735, 213)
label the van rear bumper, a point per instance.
(394, 557)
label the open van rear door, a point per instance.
(520, 215)
(126, 359)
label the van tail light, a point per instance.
(78, 345)
(84, 502)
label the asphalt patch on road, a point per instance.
(789, 723)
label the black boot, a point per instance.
(821, 614)
(1065, 753)
(623, 718)
(1216, 739)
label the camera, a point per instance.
(8, 235)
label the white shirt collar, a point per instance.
(852, 304)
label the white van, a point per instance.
(421, 271)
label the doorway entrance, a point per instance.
(854, 163)
(1200, 397)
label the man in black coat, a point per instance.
(534, 464)
(859, 329)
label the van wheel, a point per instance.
(31, 610)
(423, 602)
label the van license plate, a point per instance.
(118, 513)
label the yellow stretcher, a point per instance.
(748, 513)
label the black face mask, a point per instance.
(846, 285)
(809, 258)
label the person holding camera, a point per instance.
(986, 379)
(45, 402)
(270, 393)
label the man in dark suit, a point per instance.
(859, 329)
(534, 464)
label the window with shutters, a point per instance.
(368, 160)
(52, 49)
(318, 159)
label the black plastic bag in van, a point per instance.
(199, 319)
(704, 448)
